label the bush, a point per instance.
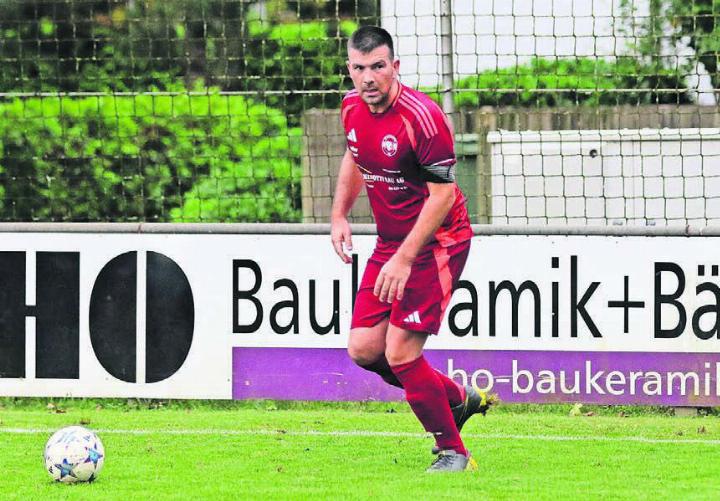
(584, 81)
(147, 158)
(306, 57)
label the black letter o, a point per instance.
(170, 317)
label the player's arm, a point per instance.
(394, 275)
(439, 202)
(348, 188)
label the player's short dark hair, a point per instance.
(368, 38)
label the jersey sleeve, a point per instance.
(348, 103)
(435, 150)
(343, 112)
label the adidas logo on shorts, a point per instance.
(412, 318)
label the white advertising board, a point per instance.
(161, 315)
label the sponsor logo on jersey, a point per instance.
(352, 136)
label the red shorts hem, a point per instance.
(433, 331)
(366, 322)
(427, 292)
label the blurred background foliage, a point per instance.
(149, 146)
(191, 110)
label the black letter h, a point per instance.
(56, 312)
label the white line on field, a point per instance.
(394, 434)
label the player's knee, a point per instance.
(362, 354)
(398, 356)
(393, 357)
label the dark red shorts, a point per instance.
(427, 292)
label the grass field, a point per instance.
(357, 451)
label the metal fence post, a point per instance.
(446, 58)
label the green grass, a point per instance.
(285, 451)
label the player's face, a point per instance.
(373, 74)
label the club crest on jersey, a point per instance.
(389, 145)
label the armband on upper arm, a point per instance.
(438, 173)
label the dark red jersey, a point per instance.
(397, 152)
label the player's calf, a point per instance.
(382, 369)
(476, 402)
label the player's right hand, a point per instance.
(340, 234)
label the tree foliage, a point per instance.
(174, 157)
(151, 158)
(668, 23)
(115, 45)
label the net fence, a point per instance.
(565, 112)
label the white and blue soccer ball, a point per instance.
(74, 454)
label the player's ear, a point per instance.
(396, 65)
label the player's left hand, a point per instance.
(391, 280)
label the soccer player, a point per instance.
(400, 145)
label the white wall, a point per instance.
(654, 177)
(491, 34)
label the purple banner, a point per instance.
(675, 379)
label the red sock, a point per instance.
(455, 392)
(426, 395)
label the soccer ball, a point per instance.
(74, 454)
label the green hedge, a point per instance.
(150, 158)
(584, 81)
